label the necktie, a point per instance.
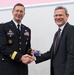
(18, 26)
(57, 40)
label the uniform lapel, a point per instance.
(22, 29)
(13, 27)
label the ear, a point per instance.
(67, 15)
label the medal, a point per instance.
(10, 33)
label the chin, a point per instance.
(60, 25)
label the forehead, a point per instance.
(59, 11)
(19, 8)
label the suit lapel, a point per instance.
(13, 27)
(65, 28)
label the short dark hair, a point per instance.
(18, 4)
(61, 7)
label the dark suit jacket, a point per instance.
(62, 62)
(12, 40)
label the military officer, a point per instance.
(15, 44)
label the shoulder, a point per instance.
(7, 23)
(4, 25)
(26, 27)
(1, 25)
(69, 27)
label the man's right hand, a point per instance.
(26, 59)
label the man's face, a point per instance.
(60, 17)
(18, 13)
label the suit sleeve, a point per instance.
(4, 48)
(69, 70)
(45, 56)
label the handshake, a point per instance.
(26, 59)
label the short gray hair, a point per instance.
(61, 7)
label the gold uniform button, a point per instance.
(2, 58)
(19, 48)
(19, 42)
(26, 43)
(20, 37)
(27, 39)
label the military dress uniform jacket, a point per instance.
(13, 44)
(62, 61)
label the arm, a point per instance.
(28, 46)
(43, 57)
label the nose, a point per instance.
(19, 12)
(58, 16)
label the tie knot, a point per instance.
(58, 33)
(18, 26)
(59, 30)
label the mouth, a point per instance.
(59, 20)
(18, 17)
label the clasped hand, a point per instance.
(26, 59)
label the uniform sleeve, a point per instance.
(28, 46)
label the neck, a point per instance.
(17, 21)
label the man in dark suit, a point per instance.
(62, 51)
(15, 44)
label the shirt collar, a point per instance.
(62, 27)
(16, 23)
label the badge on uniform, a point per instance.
(26, 33)
(10, 33)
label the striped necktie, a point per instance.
(57, 40)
